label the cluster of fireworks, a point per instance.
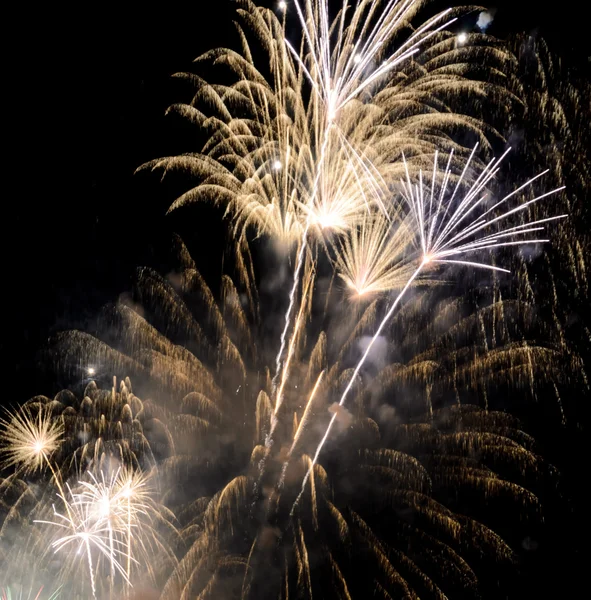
(100, 511)
(343, 152)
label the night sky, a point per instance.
(86, 94)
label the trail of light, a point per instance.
(354, 376)
(285, 373)
(275, 496)
(472, 264)
(300, 428)
(304, 418)
(296, 280)
(292, 344)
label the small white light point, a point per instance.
(277, 165)
(462, 37)
(357, 59)
(283, 5)
(91, 370)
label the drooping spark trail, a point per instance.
(441, 239)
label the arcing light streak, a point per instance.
(301, 427)
(296, 279)
(353, 377)
(437, 221)
(292, 343)
(298, 433)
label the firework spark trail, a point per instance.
(293, 341)
(285, 374)
(274, 497)
(341, 73)
(296, 279)
(301, 426)
(436, 220)
(353, 377)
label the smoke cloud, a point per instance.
(485, 18)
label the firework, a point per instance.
(449, 230)
(29, 439)
(109, 525)
(86, 529)
(118, 502)
(343, 66)
(111, 515)
(374, 256)
(463, 351)
(308, 150)
(297, 160)
(279, 160)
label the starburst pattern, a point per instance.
(29, 438)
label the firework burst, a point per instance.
(450, 228)
(29, 438)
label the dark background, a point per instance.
(85, 100)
